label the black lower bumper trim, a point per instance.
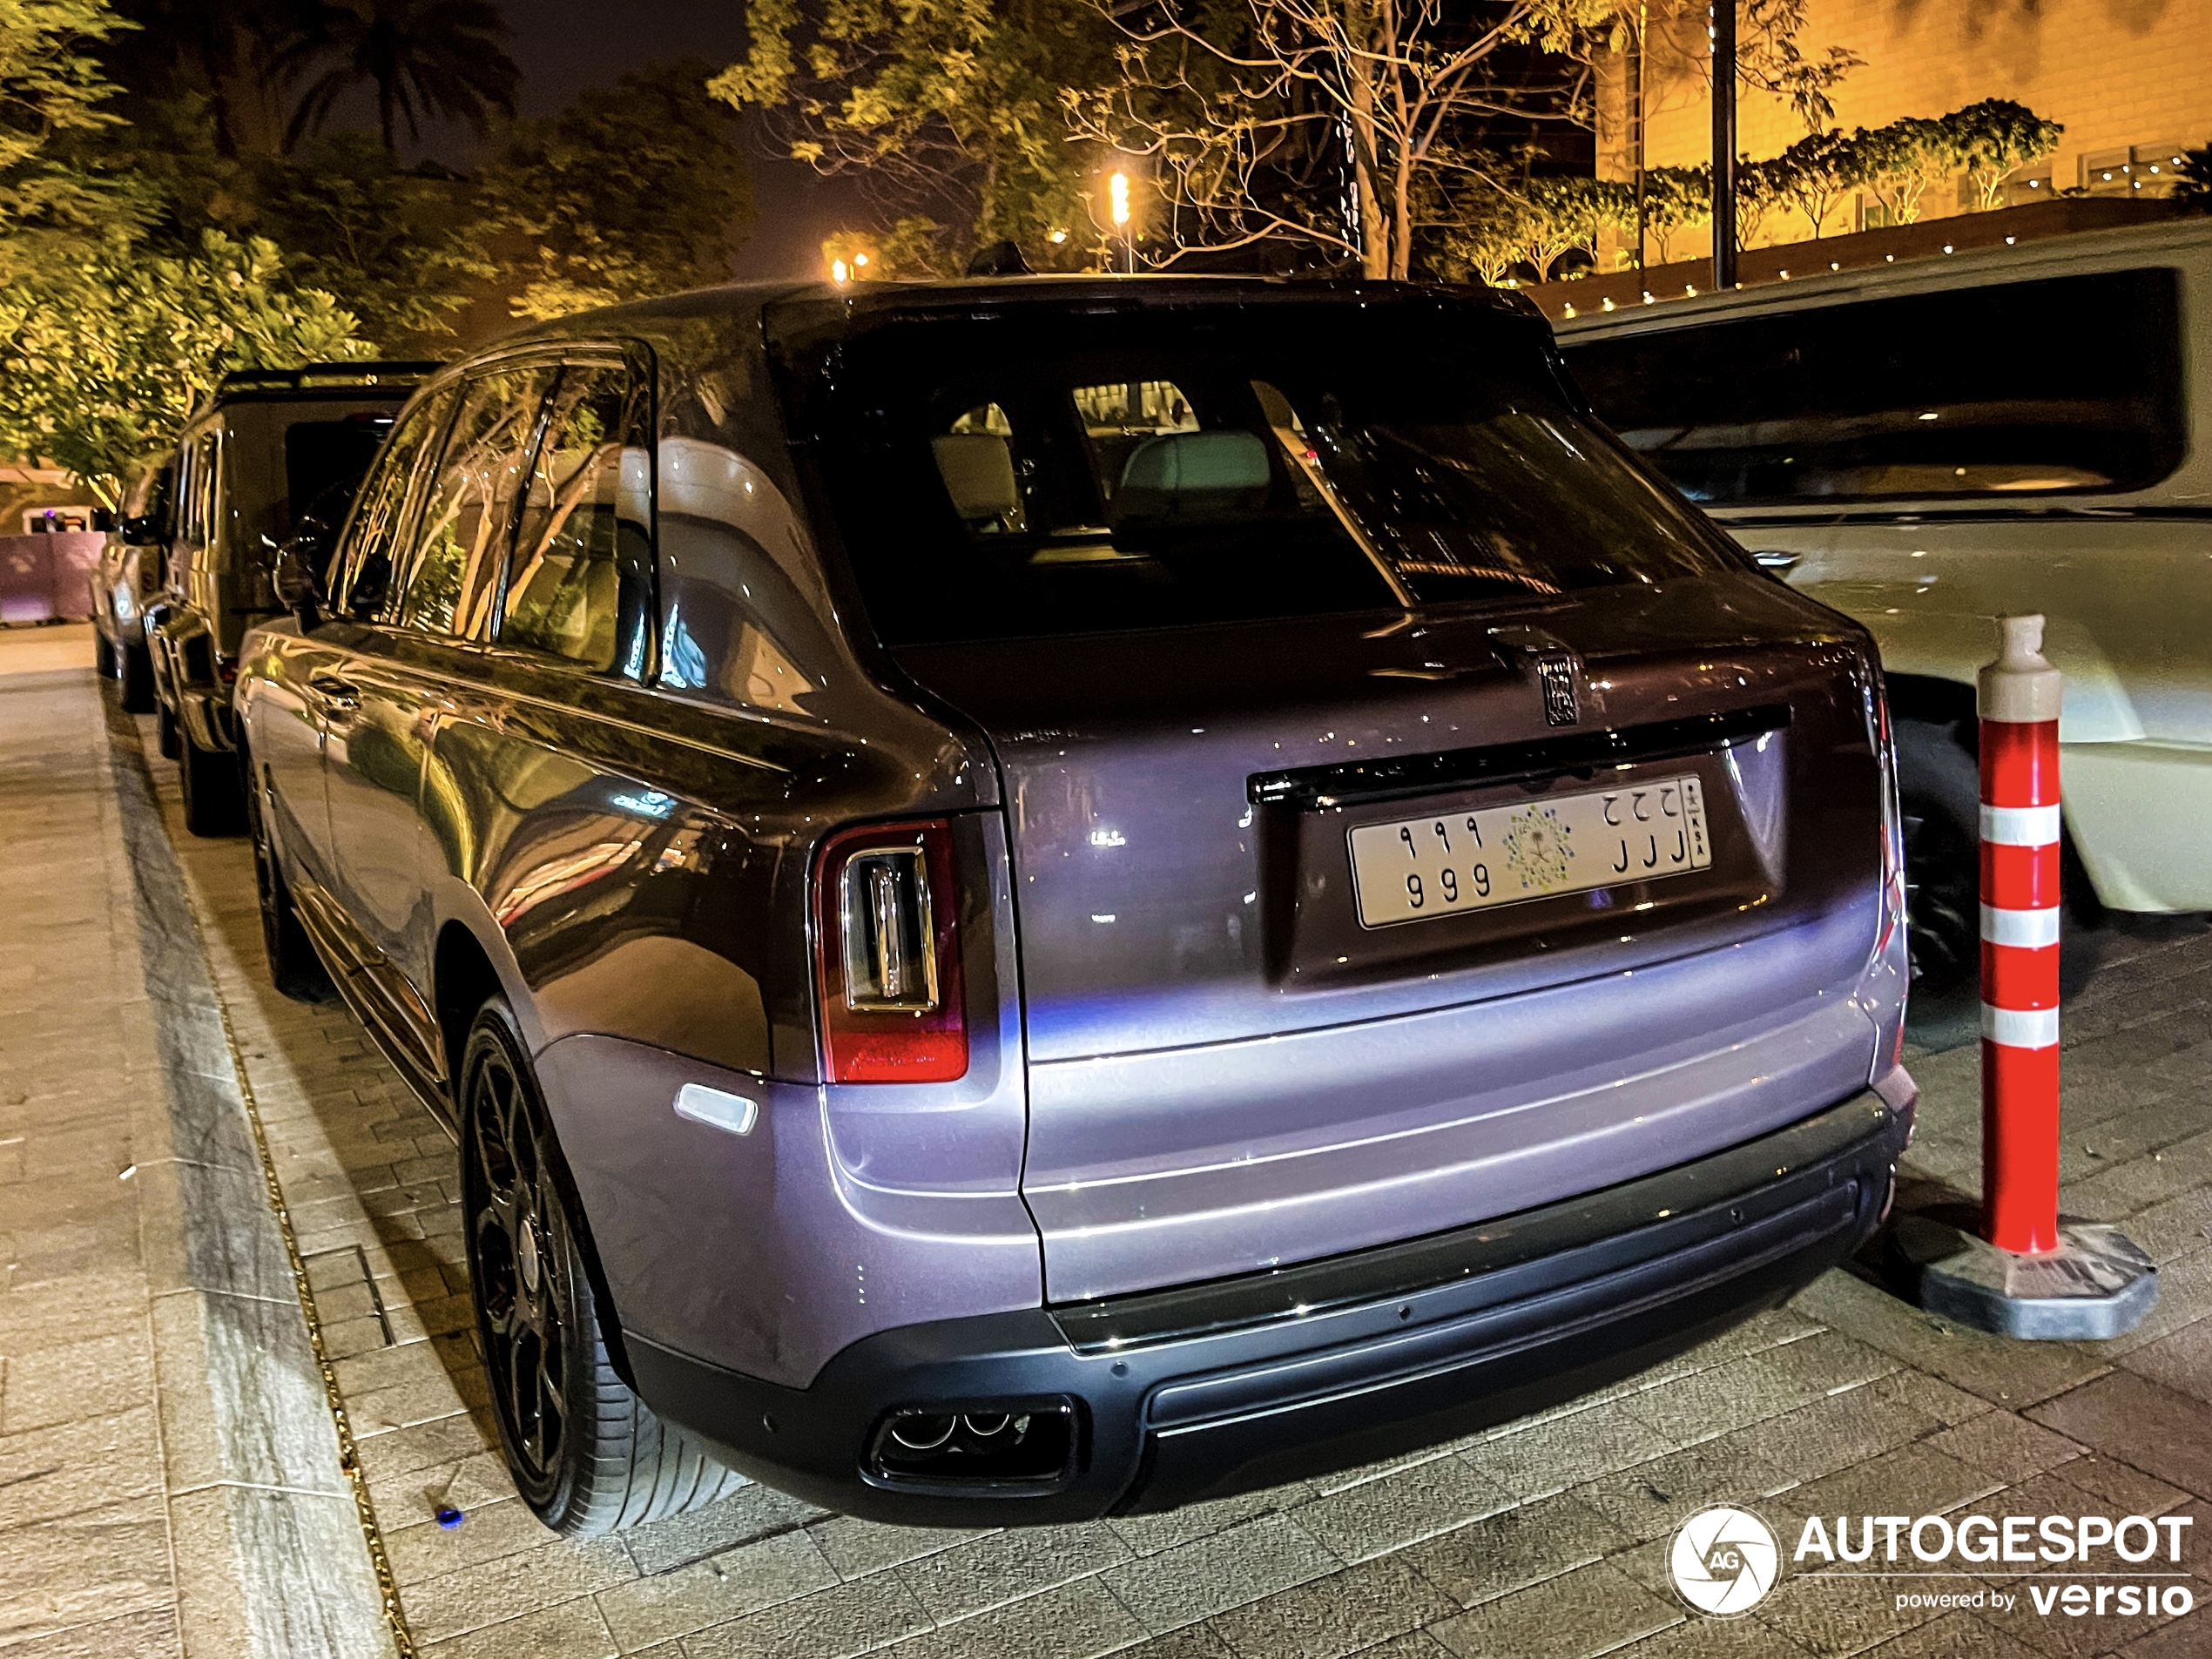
(1203, 1413)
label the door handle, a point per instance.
(337, 692)
(1773, 558)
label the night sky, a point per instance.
(565, 46)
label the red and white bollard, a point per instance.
(2030, 1273)
(2020, 699)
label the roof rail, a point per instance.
(318, 377)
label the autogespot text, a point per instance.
(2095, 1548)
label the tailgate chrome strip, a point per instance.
(1309, 787)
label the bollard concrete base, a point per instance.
(2096, 1284)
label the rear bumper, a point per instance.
(1212, 1389)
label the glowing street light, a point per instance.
(1117, 208)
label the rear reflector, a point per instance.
(886, 952)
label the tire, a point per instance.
(294, 968)
(137, 679)
(1938, 786)
(1939, 791)
(212, 803)
(172, 740)
(103, 656)
(588, 1456)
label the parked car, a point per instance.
(1927, 446)
(274, 448)
(1040, 897)
(128, 578)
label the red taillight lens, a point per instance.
(887, 956)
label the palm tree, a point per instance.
(427, 58)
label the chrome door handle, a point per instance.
(338, 693)
(1773, 558)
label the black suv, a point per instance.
(274, 450)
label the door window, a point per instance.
(580, 584)
(470, 516)
(363, 560)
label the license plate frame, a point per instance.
(1470, 859)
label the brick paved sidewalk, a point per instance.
(1547, 1537)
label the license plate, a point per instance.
(1443, 863)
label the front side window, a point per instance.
(2016, 389)
(1050, 473)
(579, 586)
(469, 513)
(364, 557)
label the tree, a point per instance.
(1812, 174)
(949, 109)
(51, 90)
(1673, 198)
(630, 192)
(103, 356)
(436, 58)
(1995, 138)
(1770, 58)
(222, 53)
(1900, 162)
(1228, 104)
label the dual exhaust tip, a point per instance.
(1017, 1446)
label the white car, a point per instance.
(1929, 445)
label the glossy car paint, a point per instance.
(2123, 577)
(1193, 1088)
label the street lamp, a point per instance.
(1117, 206)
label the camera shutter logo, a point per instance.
(1724, 1560)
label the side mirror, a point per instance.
(297, 575)
(142, 530)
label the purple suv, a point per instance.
(1036, 898)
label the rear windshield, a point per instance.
(2072, 383)
(1054, 474)
(325, 461)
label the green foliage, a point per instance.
(632, 193)
(104, 356)
(1815, 173)
(953, 108)
(1900, 162)
(1995, 137)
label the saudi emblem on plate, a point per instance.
(1538, 848)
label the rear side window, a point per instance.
(2070, 383)
(324, 462)
(470, 514)
(364, 557)
(1047, 473)
(579, 584)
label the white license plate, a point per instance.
(1443, 863)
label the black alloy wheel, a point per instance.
(519, 1266)
(587, 1454)
(171, 740)
(1942, 899)
(137, 675)
(207, 779)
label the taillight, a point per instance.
(887, 955)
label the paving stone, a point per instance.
(747, 1516)
(850, 1618)
(857, 1547)
(1209, 1574)
(983, 1573)
(1593, 1610)
(1410, 1502)
(77, 1381)
(1074, 1621)
(95, 1564)
(2014, 1374)
(1347, 1612)
(149, 1634)
(2181, 1361)
(1515, 1549)
(1840, 1429)
(419, 1549)
(572, 1630)
(1150, 1535)
(1657, 1497)
(1956, 1636)
(2005, 1446)
(739, 1581)
(48, 1472)
(1561, 1452)
(2156, 1429)
(492, 1592)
